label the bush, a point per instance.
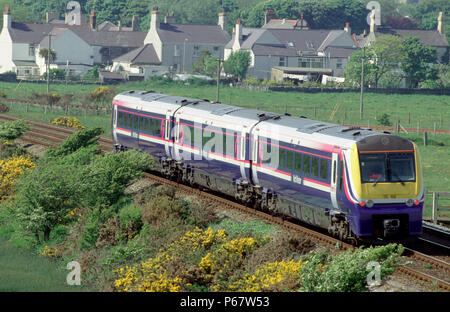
(11, 170)
(68, 122)
(100, 94)
(8, 76)
(384, 120)
(346, 272)
(11, 130)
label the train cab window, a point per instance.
(323, 168)
(373, 168)
(315, 166)
(298, 162)
(306, 165)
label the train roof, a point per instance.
(301, 123)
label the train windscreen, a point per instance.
(387, 167)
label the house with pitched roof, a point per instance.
(77, 47)
(313, 52)
(432, 37)
(170, 46)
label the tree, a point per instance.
(44, 54)
(237, 64)
(416, 61)
(381, 57)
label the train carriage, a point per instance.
(357, 183)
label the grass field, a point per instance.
(425, 111)
(23, 271)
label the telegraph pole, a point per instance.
(48, 62)
(361, 99)
(218, 78)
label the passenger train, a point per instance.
(356, 183)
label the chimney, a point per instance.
(373, 26)
(222, 19)
(239, 29)
(440, 27)
(347, 28)
(154, 22)
(170, 19)
(51, 16)
(7, 18)
(93, 20)
(270, 14)
(135, 23)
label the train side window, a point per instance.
(290, 160)
(266, 152)
(282, 157)
(120, 119)
(147, 125)
(130, 121)
(141, 123)
(323, 168)
(156, 127)
(315, 166)
(306, 165)
(341, 175)
(298, 162)
(135, 122)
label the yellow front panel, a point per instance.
(385, 190)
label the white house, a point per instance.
(175, 47)
(77, 47)
(317, 51)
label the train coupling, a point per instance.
(391, 227)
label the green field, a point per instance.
(21, 270)
(426, 110)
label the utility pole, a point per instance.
(218, 78)
(361, 100)
(48, 62)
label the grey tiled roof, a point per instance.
(143, 55)
(339, 52)
(195, 33)
(427, 37)
(35, 33)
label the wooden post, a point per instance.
(435, 206)
(409, 118)
(418, 126)
(315, 111)
(434, 129)
(425, 138)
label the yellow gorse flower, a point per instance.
(69, 122)
(10, 171)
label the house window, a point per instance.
(31, 50)
(177, 50)
(282, 61)
(338, 64)
(310, 62)
(196, 50)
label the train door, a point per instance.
(168, 138)
(114, 117)
(254, 148)
(334, 180)
(241, 149)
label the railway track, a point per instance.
(438, 277)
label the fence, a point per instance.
(436, 209)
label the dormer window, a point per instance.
(309, 45)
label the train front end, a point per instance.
(388, 184)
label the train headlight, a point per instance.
(416, 202)
(409, 202)
(369, 203)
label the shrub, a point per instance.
(11, 130)
(2, 94)
(68, 122)
(51, 252)
(4, 108)
(46, 99)
(384, 120)
(346, 271)
(100, 94)
(11, 170)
